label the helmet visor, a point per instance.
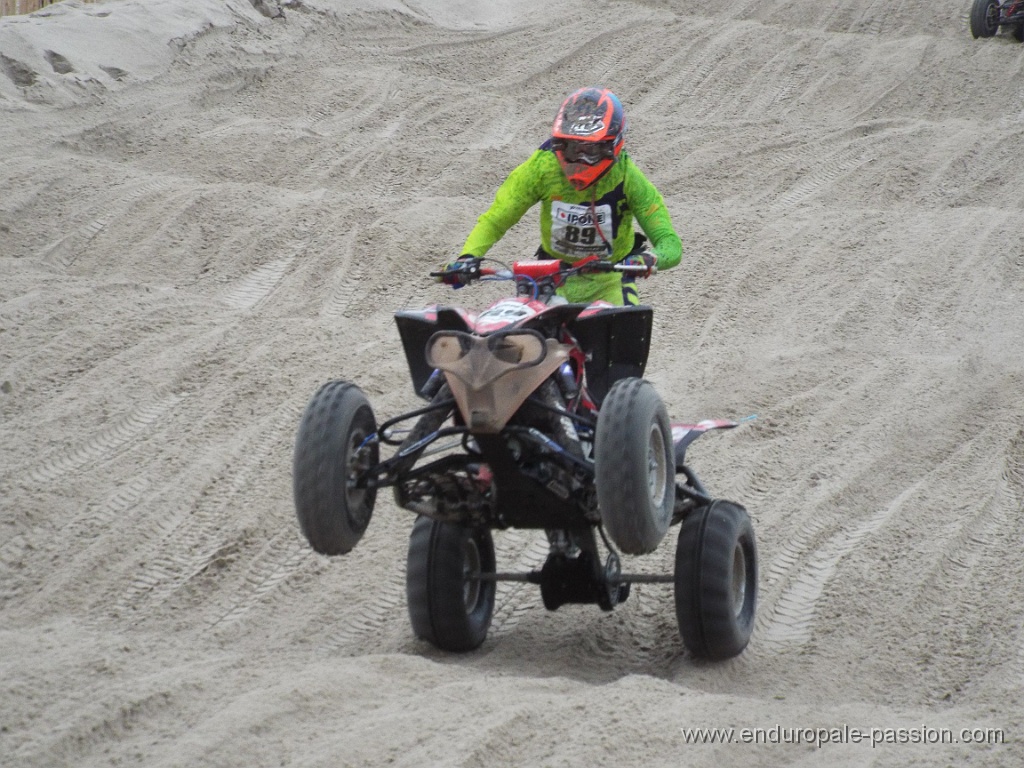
(588, 152)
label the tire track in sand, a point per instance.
(192, 541)
(282, 556)
(41, 543)
(250, 290)
(63, 253)
(106, 442)
(527, 549)
(787, 621)
(790, 621)
(385, 613)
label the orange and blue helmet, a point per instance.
(588, 134)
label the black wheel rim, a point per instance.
(992, 17)
(471, 562)
(738, 589)
(657, 471)
(359, 460)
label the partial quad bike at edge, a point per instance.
(537, 417)
(987, 16)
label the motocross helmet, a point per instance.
(588, 134)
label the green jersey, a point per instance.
(575, 224)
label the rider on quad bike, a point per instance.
(538, 417)
(590, 190)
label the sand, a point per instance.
(207, 209)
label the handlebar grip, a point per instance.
(637, 268)
(459, 273)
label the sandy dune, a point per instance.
(205, 212)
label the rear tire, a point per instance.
(446, 607)
(634, 467)
(984, 18)
(716, 580)
(331, 453)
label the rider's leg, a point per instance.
(630, 298)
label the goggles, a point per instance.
(587, 152)
(453, 350)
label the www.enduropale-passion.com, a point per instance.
(819, 737)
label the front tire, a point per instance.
(633, 466)
(984, 18)
(716, 580)
(447, 606)
(332, 453)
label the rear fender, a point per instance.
(617, 341)
(684, 434)
(415, 327)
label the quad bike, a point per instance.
(537, 418)
(987, 16)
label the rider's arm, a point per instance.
(516, 195)
(648, 207)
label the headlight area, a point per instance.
(491, 376)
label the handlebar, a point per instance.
(539, 270)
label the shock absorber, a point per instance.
(566, 377)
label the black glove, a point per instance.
(460, 272)
(644, 258)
